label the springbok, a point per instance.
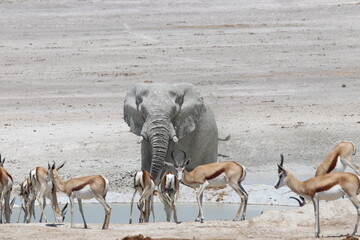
(168, 193)
(330, 186)
(24, 194)
(42, 188)
(82, 188)
(6, 183)
(216, 174)
(338, 159)
(145, 185)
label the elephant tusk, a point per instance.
(175, 139)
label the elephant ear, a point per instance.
(191, 109)
(132, 116)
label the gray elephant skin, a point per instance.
(170, 117)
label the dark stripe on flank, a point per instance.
(333, 163)
(81, 186)
(326, 187)
(215, 174)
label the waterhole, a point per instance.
(95, 213)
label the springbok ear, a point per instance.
(61, 166)
(132, 116)
(191, 108)
(281, 169)
(169, 164)
(187, 162)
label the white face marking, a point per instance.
(280, 182)
(180, 171)
(333, 193)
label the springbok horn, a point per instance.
(301, 203)
(184, 154)
(282, 160)
(61, 166)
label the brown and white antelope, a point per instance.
(24, 194)
(338, 159)
(330, 186)
(145, 185)
(82, 188)
(6, 183)
(42, 188)
(216, 174)
(168, 193)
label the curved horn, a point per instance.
(184, 154)
(61, 166)
(301, 203)
(282, 160)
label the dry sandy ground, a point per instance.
(294, 224)
(281, 76)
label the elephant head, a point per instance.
(161, 113)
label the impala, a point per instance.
(169, 192)
(330, 186)
(216, 174)
(145, 185)
(42, 188)
(82, 188)
(6, 183)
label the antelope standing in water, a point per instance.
(82, 188)
(145, 185)
(169, 192)
(42, 188)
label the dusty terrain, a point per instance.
(281, 77)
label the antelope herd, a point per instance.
(330, 183)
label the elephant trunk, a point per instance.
(160, 131)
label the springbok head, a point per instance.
(282, 173)
(179, 166)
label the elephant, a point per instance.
(170, 117)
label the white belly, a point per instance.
(219, 181)
(332, 194)
(340, 165)
(84, 193)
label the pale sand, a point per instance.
(281, 76)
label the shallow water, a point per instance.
(95, 213)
